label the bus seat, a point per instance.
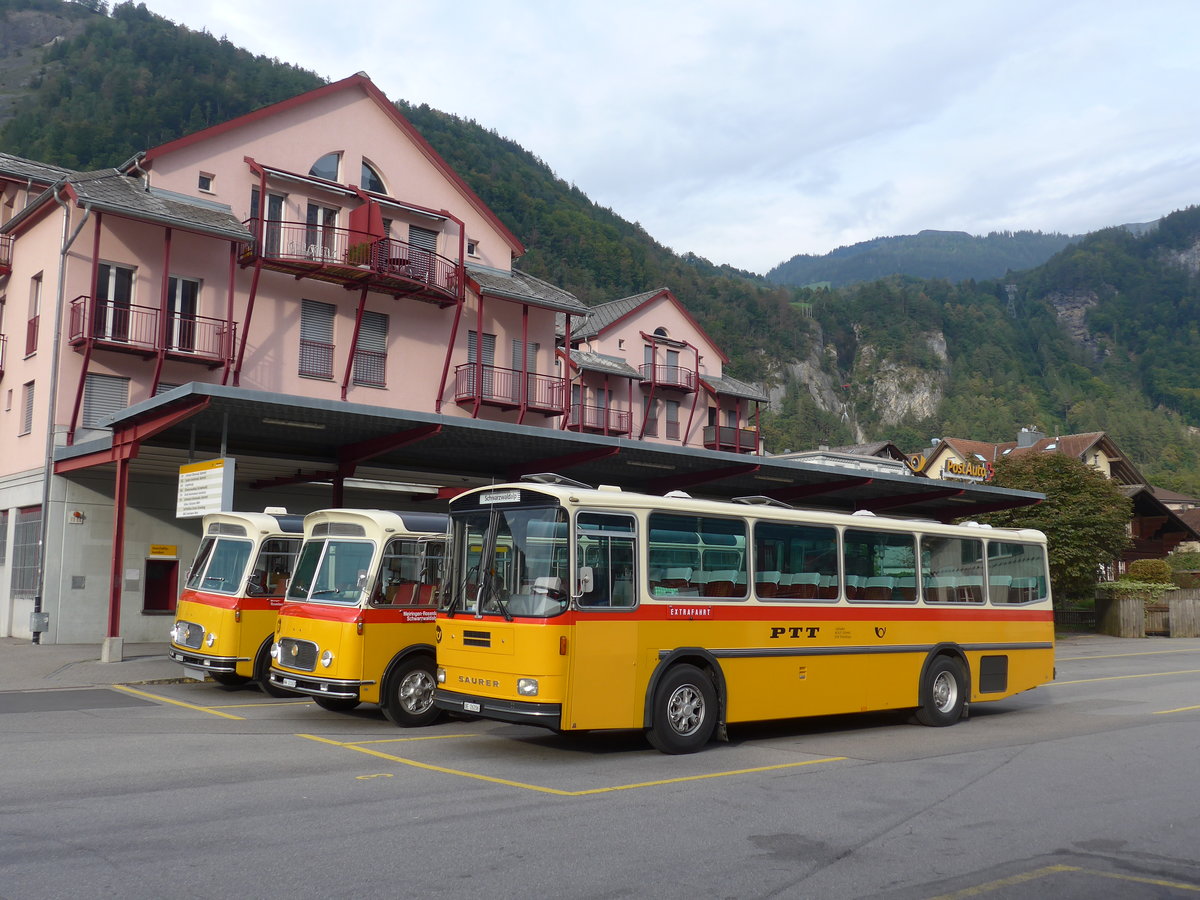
(721, 584)
(879, 588)
(855, 585)
(906, 587)
(801, 585)
(998, 586)
(940, 589)
(766, 584)
(1023, 590)
(970, 589)
(678, 577)
(622, 593)
(828, 587)
(543, 584)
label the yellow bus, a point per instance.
(226, 612)
(359, 619)
(576, 608)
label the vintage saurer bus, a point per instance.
(226, 613)
(359, 620)
(573, 608)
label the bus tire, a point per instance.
(335, 704)
(229, 679)
(262, 673)
(684, 714)
(943, 693)
(408, 693)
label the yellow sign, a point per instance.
(164, 549)
(968, 470)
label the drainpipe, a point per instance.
(48, 471)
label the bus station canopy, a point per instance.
(281, 439)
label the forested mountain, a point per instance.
(1102, 336)
(953, 255)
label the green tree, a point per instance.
(1084, 517)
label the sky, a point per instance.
(748, 132)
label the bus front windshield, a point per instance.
(220, 565)
(509, 562)
(332, 571)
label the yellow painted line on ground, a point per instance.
(213, 712)
(1121, 655)
(260, 703)
(431, 737)
(1022, 878)
(980, 889)
(557, 792)
(1122, 677)
(1163, 712)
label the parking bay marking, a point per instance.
(556, 791)
(1023, 877)
(161, 699)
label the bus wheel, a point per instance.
(684, 714)
(262, 673)
(408, 693)
(228, 679)
(943, 693)
(335, 704)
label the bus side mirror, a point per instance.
(586, 582)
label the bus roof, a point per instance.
(413, 522)
(616, 498)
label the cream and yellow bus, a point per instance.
(225, 617)
(359, 620)
(576, 608)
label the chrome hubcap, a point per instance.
(685, 709)
(416, 692)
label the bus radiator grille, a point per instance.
(300, 655)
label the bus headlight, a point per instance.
(441, 675)
(327, 658)
(211, 639)
(527, 687)
(275, 650)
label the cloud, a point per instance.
(748, 132)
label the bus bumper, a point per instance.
(319, 687)
(522, 712)
(200, 663)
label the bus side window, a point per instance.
(605, 548)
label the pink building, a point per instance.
(317, 250)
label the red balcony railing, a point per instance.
(316, 359)
(127, 327)
(6, 253)
(674, 377)
(597, 418)
(509, 388)
(342, 256)
(370, 367)
(734, 440)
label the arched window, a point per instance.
(660, 332)
(327, 167)
(370, 180)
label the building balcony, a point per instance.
(127, 328)
(673, 378)
(6, 254)
(597, 419)
(509, 389)
(733, 440)
(353, 259)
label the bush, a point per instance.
(1154, 571)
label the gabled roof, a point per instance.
(882, 449)
(607, 315)
(523, 287)
(603, 363)
(1076, 445)
(728, 386)
(22, 169)
(110, 191)
(358, 81)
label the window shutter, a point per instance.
(103, 396)
(27, 409)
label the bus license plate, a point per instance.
(468, 706)
(288, 682)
